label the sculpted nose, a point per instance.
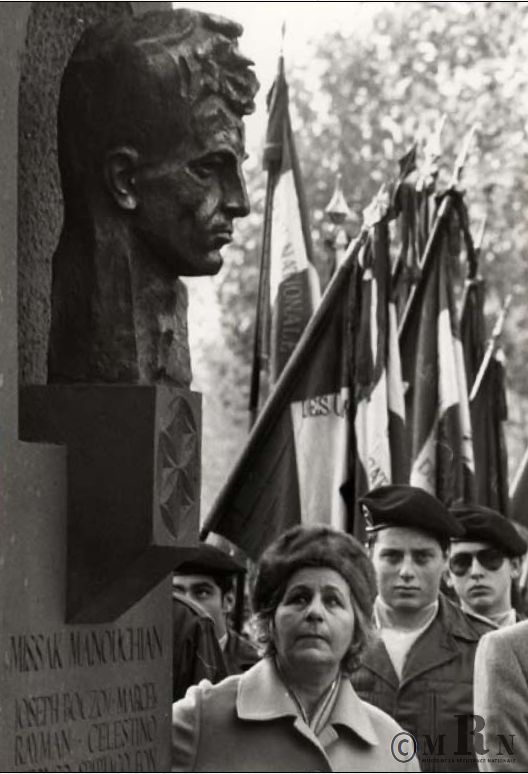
(236, 200)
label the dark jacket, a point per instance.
(196, 654)
(436, 687)
(239, 653)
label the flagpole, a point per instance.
(473, 277)
(260, 348)
(492, 343)
(262, 323)
(286, 381)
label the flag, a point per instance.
(473, 326)
(519, 492)
(289, 289)
(293, 282)
(437, 408)
(379, 422)
(488, 407)
(298, 453)
(488, 413)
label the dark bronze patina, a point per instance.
(151, 142)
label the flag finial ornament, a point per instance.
(377, 209)
(407, 162)
(432, 154)
(462, 156)
(337, 208)
(480, 236)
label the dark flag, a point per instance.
(298, 453)
(519, 492)
(489, 413)
(416, 202)
(315, 434)
(437, 406)
(288, 282)
(488, 405)
(379, 422)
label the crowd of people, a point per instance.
(403, 655)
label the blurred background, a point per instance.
(366, 81)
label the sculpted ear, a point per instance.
(120, 168)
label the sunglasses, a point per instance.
(489, 558)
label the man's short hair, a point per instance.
(135, 81)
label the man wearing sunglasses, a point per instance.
(485, 562)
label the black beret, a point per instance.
(314, 546)
(400, 505)
(487, 525)
(206, 559)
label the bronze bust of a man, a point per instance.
(151, 142)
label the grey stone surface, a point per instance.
(51, 33)
(72, 697)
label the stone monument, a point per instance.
(100, 468)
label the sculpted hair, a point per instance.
(316, 546)
(135, 82)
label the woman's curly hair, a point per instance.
(315, 546)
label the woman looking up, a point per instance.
(296, 710)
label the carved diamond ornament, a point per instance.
(178, 461)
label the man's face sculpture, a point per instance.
(150, 143)
(151, 136)
(185, 203)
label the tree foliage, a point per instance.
(364, 97)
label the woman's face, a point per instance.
(314, 622)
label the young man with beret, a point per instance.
(420, 668)
(206, 578)
(484, 564)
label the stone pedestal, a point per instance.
(133, 473)
(94, 695)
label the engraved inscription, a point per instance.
(116, 726)
(100, 727)
(36, 652)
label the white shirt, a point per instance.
(398, 641)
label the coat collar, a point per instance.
(262, 696)
(456, 622)
(436, 646)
